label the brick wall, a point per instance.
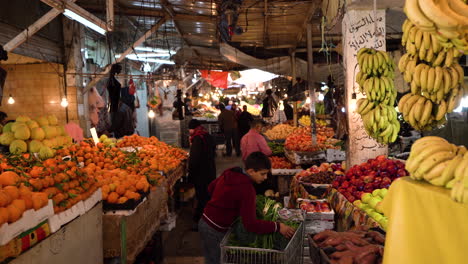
(37, 90)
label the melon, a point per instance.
(18, 146)
(7, 127)
(61, 131)
(53, 121)
(43, 121)
(50, 131)
(14, 125)
(37, 133)
(46, 153)
(68, 140)
(47, 143)
(32, 124)
(34, 146)
(22, 132)
(6, 138)
(23, 119)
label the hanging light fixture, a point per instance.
(11, 100)
(151, 114)
(64, 102)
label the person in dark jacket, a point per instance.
(113, 87)
(288, 110)
(244, 121)
(202, 166)
(228, 125)
(233, 196)
(269, 104)
(122, 121)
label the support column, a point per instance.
(293, 82)
(73, 38)
(361, 28)
(310, 82)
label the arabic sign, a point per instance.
(361, 29)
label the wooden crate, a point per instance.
(126, 235)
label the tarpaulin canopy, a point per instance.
(254, 76)
(216, 78)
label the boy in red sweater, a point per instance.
(233, 195)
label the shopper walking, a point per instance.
(269, 105)
(201, 164)
(244, 122)
(253, 141)
(228, 125)
(233, 196)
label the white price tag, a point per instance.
(94, 135)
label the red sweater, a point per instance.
(233, 195)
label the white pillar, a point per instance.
(359, 29)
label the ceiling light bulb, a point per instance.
(308, 100)
(74, 16)
(11, 100)
(64, 102)
(151, 114)
(200, 94)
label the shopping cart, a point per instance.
(292, 254)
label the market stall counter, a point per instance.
(80, 241)
(425, 224)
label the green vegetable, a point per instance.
(267, 210)
(276, 148)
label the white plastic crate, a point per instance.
(60, 219)
(95, 198)
(28, 220)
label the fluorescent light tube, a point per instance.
(72, 15)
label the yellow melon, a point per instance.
(32, 124)
(18, 146)
(53, 121)
(6, 138)
(37, 133)
(34, 146)
(43, 121)
(22, 132)
(22, 118)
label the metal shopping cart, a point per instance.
(292, 254)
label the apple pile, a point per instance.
(371, 203)
(365, 178)
(315, 207)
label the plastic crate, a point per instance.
(292, 254)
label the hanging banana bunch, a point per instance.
(375, 80)
(431, 68)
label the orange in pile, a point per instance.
(154, 153)
(14, 200)
(301, 139)
(118, 186)
(280, 163)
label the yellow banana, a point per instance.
(436, 171)
(459, 7)
(454, 77)
(415, 14)
(460, 72)
(448, 172)
(419, 106)
(422, 53)
(430, 79)
(414, 87)
(427, 113)
(449, 58)
(369, 107)
(447, 81)
(428, 150)
(439, 59)
(439, 96)
(435, 44)
(441, 110)
(402, 62)
(418, 39)
(402, 102)
(430, 55)
(423, 78)
(438, 79)
(417, 73)
(409, 104)
(461, 20)
(448, 33)
(427, 40)
(434, 159)
(460, 170)
(433, 12)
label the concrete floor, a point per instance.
(182, 245)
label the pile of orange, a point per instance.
(118, 186)
(16, 198)
(280, 163)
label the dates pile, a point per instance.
(322, 177)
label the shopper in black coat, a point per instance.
(244, 121)
(202, 167)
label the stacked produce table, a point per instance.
(127, 232)
(425, 224)
(80, 241)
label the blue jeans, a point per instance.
(211, 240)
